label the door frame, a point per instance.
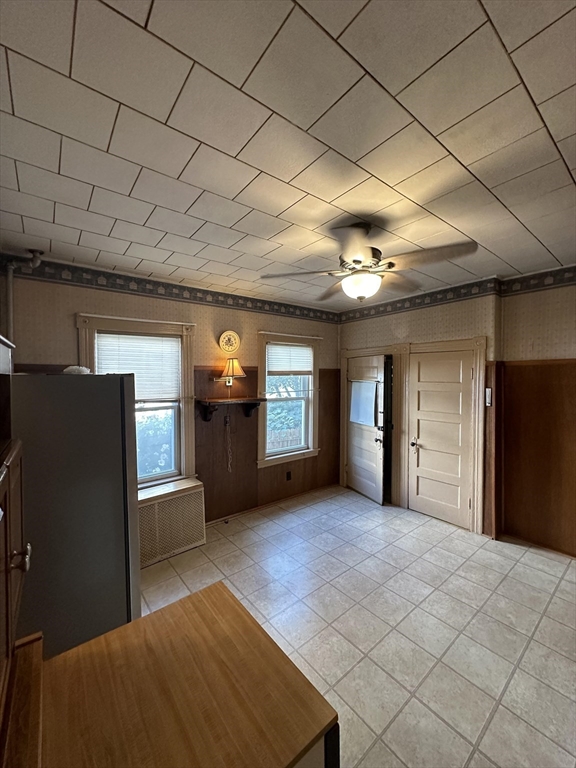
(400, 410)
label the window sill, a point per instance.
(285, 458)
(167, 490)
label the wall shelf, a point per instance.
(209, 405)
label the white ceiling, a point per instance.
(211, 142)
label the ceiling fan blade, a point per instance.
(415, 259)
(294, 274)
(332, 291)
(395, 283)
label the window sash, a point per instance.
(149, 406)
(284, 359)
(300, 395)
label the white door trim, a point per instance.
(400, 406)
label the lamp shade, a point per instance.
(233, 369)
(361, 285)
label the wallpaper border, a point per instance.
(72, 274)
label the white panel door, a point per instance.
(440, 424)
(365, 460)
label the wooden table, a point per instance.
(198, 684)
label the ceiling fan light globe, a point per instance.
(361, 285)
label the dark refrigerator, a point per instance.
(80, 501)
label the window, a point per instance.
(289, 384)
(160, 357)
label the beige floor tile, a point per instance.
(201, 577)
(372, 694)
(377, 569)
(523, 594)
(413, 545)
(557, 636)
(280, 641)
(445, 607)
(279, 565)
(305, 553)
(550, 667)
(251, 579)
(427, 631)
(318, 682)
(506, 549)
(534, 578)
(228, 527)
(396, 556)
(326, 541)
(327, 567)
(497, 637)
(478, 665)
(355, 736)
(547, 710)
(512, 613)
(445, 559)
(349, 554)
(252, 519)
(409, 587)
(481, 574)
(387, 534)
(285, 540)
(218, 548)
(165, 593)
(454, 699)
(346, 531)
(457, 547)
(381, 757)
(272, 599)
(330, 654)
(302, 581)
(234, 562)
(157, 573)
(235, 591)
(261, 550)
(427, 572)
(306, 530)
(144, 610)
(387, 605)
(355, 584)
(251, 608)
(244, 538)
(428, 534)
(369, 543)
(361, 627)
(298, 624)
(212, 534)
(466, 591)
(268, 529)
(479, 760)
(328, 602)
(185, 561)
(545, 564)
(403, 659)
(563, 611)
(566, 590)
(510, 743)
(419, 738)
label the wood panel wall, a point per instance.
(538, 453)
(493, 452)
(246, 486)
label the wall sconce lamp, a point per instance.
(233, 370)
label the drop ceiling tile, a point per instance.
(559, 113)
(134, 232)
(436, 180)
(28, 142)
(155, 268)
(533, 184)
(181, 244)
(228, 37)
(120, 206)
(485, 264)
(282, 78)
(80, 219)
(187, 262)
(216, 172)
(310, 212)
(563, 250)
(547, 63)
(260, 225)
(448, 236)
(217, 253)
(55, 231)
(281, 149)
(568, 149)
(219, 281)
(555, 226)
(16, 241)
(111, 55)
(111, 260)
(551, 202)
(470, 197)
(218, 268)
(146, 252)
(470, 220)
(368, 197)
(255, 245)
(11, 221)
(447, 272)
(137, 10)
(397, 41)
(286, 255)
(5, 95)
(247, 274)
(297, 237)
(317, 263)
(424, 227)
(212, 110)
(96, 167)
(505, 120)
(149, 143)
(59, 103)
(164, 191)
(175, 223)
(443, 95)
(37, 181)
(26, 205)
(108, 244)
(330, 176)
(269, 195)
(75, 253)
(218, 209)
(399, 215)
(42, 31)
(521, 156)
(333, 15)
(325, 247)
(517, 22)
(344, 220)
(214, 234)
(403, 155)
(361, 120)
(8, 176)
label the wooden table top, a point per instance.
(198, 684)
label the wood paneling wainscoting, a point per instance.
(531, 453)
(246, 486)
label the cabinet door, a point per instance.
(4, 609)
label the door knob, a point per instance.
(414, 444)
(377, 439)
(25, 554)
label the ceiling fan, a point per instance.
(363, 266)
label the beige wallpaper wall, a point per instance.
(45, 326)
(539, 326)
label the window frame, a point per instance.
(89, 325)
(269, 459)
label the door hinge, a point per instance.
(471, 373)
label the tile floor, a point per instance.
(439, 648)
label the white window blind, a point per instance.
(289, 359)
(154, 361)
